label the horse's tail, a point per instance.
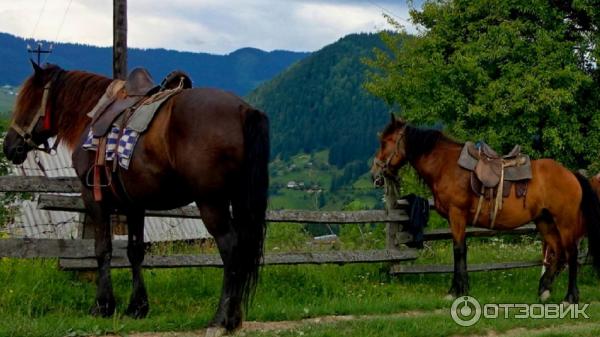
(250, 204)
(590, 207)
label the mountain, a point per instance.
(240, 71)
(320, 103)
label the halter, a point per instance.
(385, 165)
(43, 112)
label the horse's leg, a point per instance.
(218, 221)
(551, 255)
(569, 243)
(138, 303)
(100, 217)
(460, 281)
(572, 291)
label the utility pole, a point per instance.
(39, 51)
(119, 39)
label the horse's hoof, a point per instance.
(450, 297)
(215, 331)
(137, 311)
(545, 295)
(570, 299)
(102, 310)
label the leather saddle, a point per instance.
(493, 174)
(490, 164)
(130, 94)
(489, 167)
(139, 84)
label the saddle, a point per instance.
(492, 174)
(122, 98)
(123, 95)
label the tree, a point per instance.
(506, 72)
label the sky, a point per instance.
(213, 26)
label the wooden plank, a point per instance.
(33, 248)
(214, 260)
(75, 204)
(40, 184)
(448, 268)
(445, 233)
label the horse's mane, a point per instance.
(72, 95)
(79, 92)
(418, 142)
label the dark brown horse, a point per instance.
(561, 203)
(204, 145)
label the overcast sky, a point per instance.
(214, 26)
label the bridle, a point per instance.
(384, 165)
(43, 112)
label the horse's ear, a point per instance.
(392, 118)
(37, 70)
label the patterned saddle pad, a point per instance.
(118, 146)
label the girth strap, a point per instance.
(100, 168)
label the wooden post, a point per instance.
(392, 229)
(119, 39)
(87, 232)
(119, 224)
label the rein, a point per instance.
(43, 112)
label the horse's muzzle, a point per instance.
(15, 148)
(378, 180)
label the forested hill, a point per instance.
(319, 103)
(240, 71)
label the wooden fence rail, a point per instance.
(78, 254)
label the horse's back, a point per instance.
(556, 185)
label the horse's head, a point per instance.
(32, 121)
(391, 155)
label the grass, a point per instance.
(36, 299)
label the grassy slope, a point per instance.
(314, 170)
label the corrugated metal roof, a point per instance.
(31, 222)
(58, 165)
(35, 223)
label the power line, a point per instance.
(62, 22)
(389, 12)
(37, 22)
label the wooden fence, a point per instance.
(78, 254)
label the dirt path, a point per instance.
(290, 325)
(285, 325)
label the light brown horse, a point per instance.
(561, 203)
(204, 145)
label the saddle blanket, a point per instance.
(118, 146)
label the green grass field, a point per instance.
(36, 299)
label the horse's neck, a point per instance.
(76, 97)
(432, 166)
